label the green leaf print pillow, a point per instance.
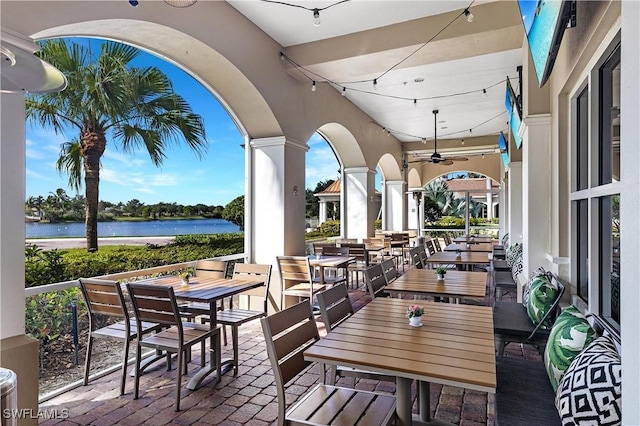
(542, 294)
(570, 334)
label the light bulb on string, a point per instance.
(484, 92)
(469, 15)
(282, 56)
(316, 17)
(375, 84)
(344, 91)
(415, 103)
(313, 86)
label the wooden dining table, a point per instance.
(473, 239)
(482, 247)
(210, 291)
(423, 282)
(453, 346)
(322, 262)
(467, 258)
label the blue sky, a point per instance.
(215, 179)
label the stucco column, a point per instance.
(276, 201)
(515, 202)
(504, 207)
(18, 352)
(357, 205)
(322, 212)
(489, 199)
(393, 202)
(536, 187)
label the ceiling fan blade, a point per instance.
(458, 158)
(446, 162)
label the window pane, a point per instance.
(582, 140)
(610, 258)
(610, 119)
(582, 247)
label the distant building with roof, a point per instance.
(482, 190)
(331, 194)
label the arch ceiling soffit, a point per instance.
(488, 166)
(232, 88)
(390, 168)
(344, 144)
(413, 179)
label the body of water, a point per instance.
(132, 229)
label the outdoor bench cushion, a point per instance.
(500, 265)
(524, 395)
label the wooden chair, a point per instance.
(235, 317)
(287, 335)
(375, 248)
(431, 248)
(105, 298)
(158, 303)
(296, 278)
(318, 247)
(208, 268)
(396, 253)
(361, 262)
(376, 281)
(436, 243)
(447, 238)
(335, 307)
(390, 270)
(339, 275)
(414, 255)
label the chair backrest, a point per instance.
(287, 335)
(103, 297)
(447, 238)
(295, 270)
(335, 251)
(389, 269)
(436, 243)
(335, 305)
(430, 247)
(358, 251)
(253, 271)
(318, 247)
(414, 254)
(155, 303)
(374, 242)
(375, 279)
(211, 268)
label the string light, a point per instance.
(415, 103)
(313, 86)
(375, 84)
(469, 15)
(316, 17)
(484, 92)
(282, 56)
(344, 91)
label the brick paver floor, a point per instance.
(246, 399)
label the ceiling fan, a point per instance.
(436, 157)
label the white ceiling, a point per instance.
(469, 57)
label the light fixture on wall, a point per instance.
(295, 190)
(180, 3)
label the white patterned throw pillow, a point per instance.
(590, 391)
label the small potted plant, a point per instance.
(440, 273)
(184, 276)
(458, 253)
(414, 313)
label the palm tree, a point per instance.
(107, 98)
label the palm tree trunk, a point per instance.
(92, 146)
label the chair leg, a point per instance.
(218, 356)
(87, 362)
(136, 385)
(181, 354)
(125, 358)
(203, 352)
(234, 337)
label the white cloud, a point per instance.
(315, 139)
(321, 165)
(35, 175)
(129, 160)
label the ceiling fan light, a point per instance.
(180, 3)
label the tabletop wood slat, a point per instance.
(455, 345)
(466, 258)
(480, 247)
(424, 282)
